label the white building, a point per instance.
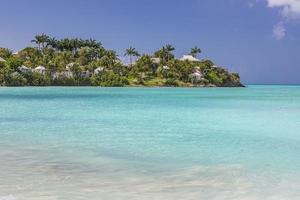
(40, 69)
(98, 70)
(85, 74)
(196, 77)
(2, 60)
(23, 69)
(189, 58)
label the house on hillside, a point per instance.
(84, 73)
(189, 58)
(40, 70)
(196, 76)
(23, 69)
(99, 70)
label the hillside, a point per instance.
(78, 62)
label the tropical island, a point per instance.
(80, 62)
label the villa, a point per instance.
(189, 58)
(40, 70)
(98, 70)
(23, 69)
(196, 76)
(84, 73)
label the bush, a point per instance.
(86, 81)
(37, 79)
(14, 62)
(172, 82)
(16, 79)
(109, 79)
(2, 65)
(214, 78)
(64, 81)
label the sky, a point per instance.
(259, 39)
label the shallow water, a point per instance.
(150, 143)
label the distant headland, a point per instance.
(79, 62)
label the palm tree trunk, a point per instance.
(130, 60)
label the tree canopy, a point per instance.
(76, 61)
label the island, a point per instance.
(85, 62)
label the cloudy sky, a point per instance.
(260, 39)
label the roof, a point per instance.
(40, 68)
(196, 74)
(2, 60)
(23, 67)
(189, 58)
(98, 70)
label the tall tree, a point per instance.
(164, 54)
(169, 49)
(5, 53)
(131, 52)
(195, 51)
(41, 41)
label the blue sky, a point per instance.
(260, 39)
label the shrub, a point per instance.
(214, 78)
(109, 79)
(16, 79)
(37, 79)
(64, 81)
(172, 82)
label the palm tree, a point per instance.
(163, 54)
(194, 51)
(131, 52)
(169, 48)
(41, 40)
(53, 42)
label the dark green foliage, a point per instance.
(14, 62)
(16, 79)
(172, 82)
(5, 53)
(64, 81)
(214, 78)
(37, 79)
(109, 79)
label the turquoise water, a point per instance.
(150, 143)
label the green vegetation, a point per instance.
(79, 62)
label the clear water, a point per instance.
(150, 143)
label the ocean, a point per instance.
(88, 143)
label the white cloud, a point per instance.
(279, 31)
(289, 8)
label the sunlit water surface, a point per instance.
(150, 143)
